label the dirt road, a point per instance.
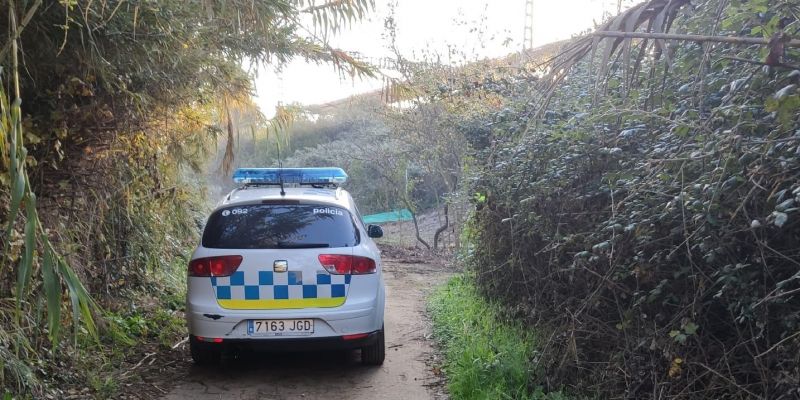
(407, 373)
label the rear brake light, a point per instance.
(340, 264)
(363, 265)
(214, 266)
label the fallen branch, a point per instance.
(148, 355)
(175, 346)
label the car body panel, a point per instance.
(256, 284)
(213, 312)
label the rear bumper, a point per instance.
(328, 323)
(359, 314)
(291, 344)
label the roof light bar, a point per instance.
(301, 176)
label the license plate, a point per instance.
(281, 327)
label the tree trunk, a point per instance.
(441, 228)
(416, 229)
(416, 225)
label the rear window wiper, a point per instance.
(287, 245)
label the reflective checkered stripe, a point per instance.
(275, 290)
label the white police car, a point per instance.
(286, 268)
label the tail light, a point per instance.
(363, 265)
(214, 266)
(340, 264)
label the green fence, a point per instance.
(390, 216)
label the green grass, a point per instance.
(486, 357)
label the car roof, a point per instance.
(337, 197)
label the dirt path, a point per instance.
(407, 373)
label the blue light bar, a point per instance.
(302, 176)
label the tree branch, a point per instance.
(694, 38)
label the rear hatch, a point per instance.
(280, 244)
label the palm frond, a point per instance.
(333, 15)
(653, 16)
(35, 236)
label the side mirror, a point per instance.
(374, 231)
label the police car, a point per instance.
(286, 263)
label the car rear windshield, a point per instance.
(280, 226)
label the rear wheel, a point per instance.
(375, 353)
(203, 353)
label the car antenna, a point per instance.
(280, 169)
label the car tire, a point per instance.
(375, 353)
(203, 354)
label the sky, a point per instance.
(478, 28)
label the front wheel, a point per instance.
(375, 353)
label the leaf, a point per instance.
(17, 192)
(690, 328)
(600, 247)
(52, 291)
(785, 205)
(675, 367)
(82, 303)
(785, 92)
(610, 48)
(26, 264)
(678, 336)
(631, 24)
(780, 218)
(583, 254)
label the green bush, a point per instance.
(103, 136)
(655, 227)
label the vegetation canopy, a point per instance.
(109, 114)
(631, 196)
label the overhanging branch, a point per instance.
(694, 38)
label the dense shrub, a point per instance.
(654, 233)
(108, 111)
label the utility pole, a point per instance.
(527, 39)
